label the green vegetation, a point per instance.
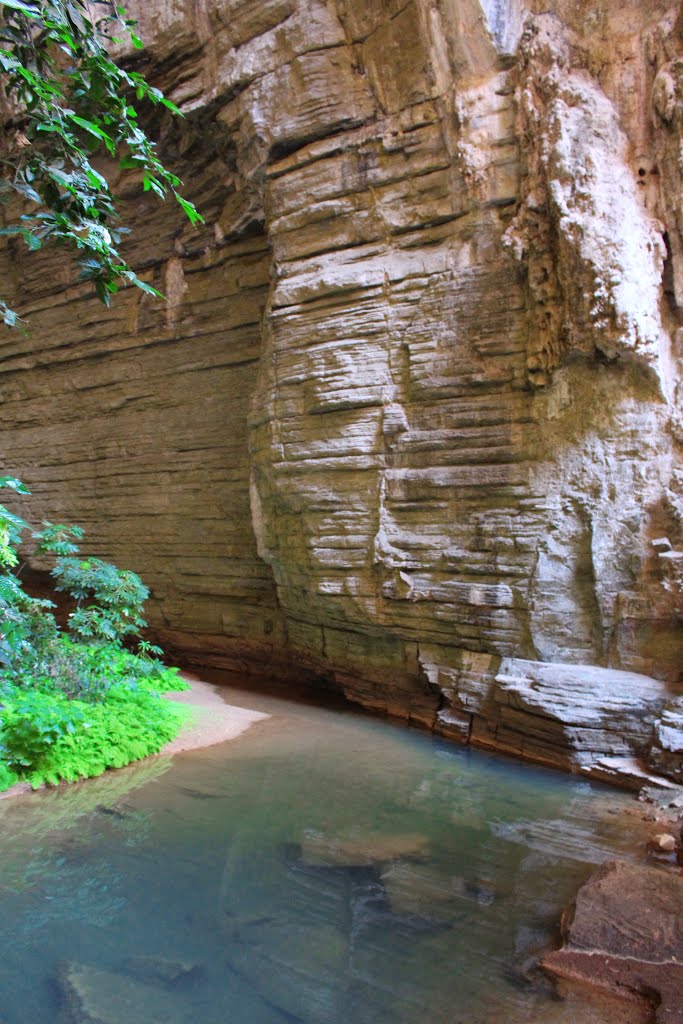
(75, 702)
(64, 104)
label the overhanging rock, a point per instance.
(577, 714)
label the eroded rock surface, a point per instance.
(413, 406)
(625, 934)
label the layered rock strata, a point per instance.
(411, 418)
(624, 935)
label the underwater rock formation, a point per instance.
(413, 407)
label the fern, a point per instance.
(71, 709)
(7, 777)
(125, 728)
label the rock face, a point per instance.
(411, 417)
(625, 935)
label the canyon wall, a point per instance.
(410, 423)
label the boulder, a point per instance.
(625, 935)
(581, 716)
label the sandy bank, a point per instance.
(213, 719)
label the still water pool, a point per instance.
(323, 868)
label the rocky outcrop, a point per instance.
(624, 935)
(412, 412)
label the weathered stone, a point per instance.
(625, 934)
(413, 406)
(627, 771)
(664, 842)
(580, 710)
(667, 750)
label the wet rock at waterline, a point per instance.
(667, 751)
(625, 934)
(414, 404)
(663, 842)
(578, 712)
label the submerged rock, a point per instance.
(158, 970)
(296, 968)
(373, 849)
(91, 995)
(420, 889)
(625, 935)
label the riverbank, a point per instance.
(212, 721)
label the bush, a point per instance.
(74, 704)
(7, 777)
(49, 738)
(116, 598)
(129, 725)
(32, 723)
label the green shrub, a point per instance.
(129, 725)
(7, 777)
(115, 598)
(32, 723)
(73, 705)
(46, 737)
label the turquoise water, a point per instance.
(323, 868)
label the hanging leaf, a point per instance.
(30, 10)
(67, 108)
(95, 130)
(14, 484)
(189, 208)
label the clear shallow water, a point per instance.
(324, 868)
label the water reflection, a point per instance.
(322, 869)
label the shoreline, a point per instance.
(213, 721)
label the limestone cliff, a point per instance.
(411, 419)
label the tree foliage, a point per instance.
(65, 103)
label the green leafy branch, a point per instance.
(67, 102)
